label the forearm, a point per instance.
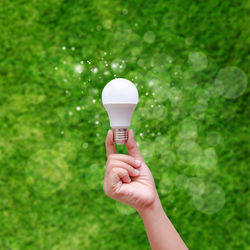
(161, 233)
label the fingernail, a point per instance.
(136, 171)
(137, 162)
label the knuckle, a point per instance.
(111, 157)
(111, 163)
(113, 171)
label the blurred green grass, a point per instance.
(193, 137)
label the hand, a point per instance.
(122, 182)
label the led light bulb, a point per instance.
(120, 98)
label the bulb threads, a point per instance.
(120, 135)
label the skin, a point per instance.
(129, 180)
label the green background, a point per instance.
(191, 123)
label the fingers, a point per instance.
(125, 158)
(120, 164)
(110, 146)
(114, 180)
(132, 147)
(122, 174)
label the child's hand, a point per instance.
(122, 180)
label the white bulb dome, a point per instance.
(120, 91)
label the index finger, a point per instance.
(110, 146)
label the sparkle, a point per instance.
(63, 48)
(78, 68)
(78, 108)
(95, 70)
(141, 134)
(56, 68)
(114, 66)
(70, 113)
(97, 122)
(94, 100)
(73, 48)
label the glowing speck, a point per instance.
(94, 100)
(73, 48)
(97, 122)
(78, 68)
(56, 68)
(81, 62)
(70, 113)
(141, 134)
(114, 66)
(63, 48)
(78, 108)
(95, 70)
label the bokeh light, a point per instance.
(211, 200)
(197, 60)
(233, 80)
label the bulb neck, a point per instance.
(120, 135)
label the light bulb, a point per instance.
(120, 98)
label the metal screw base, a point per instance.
(120, 135)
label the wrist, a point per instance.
(153, 209)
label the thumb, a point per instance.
(132, 147)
